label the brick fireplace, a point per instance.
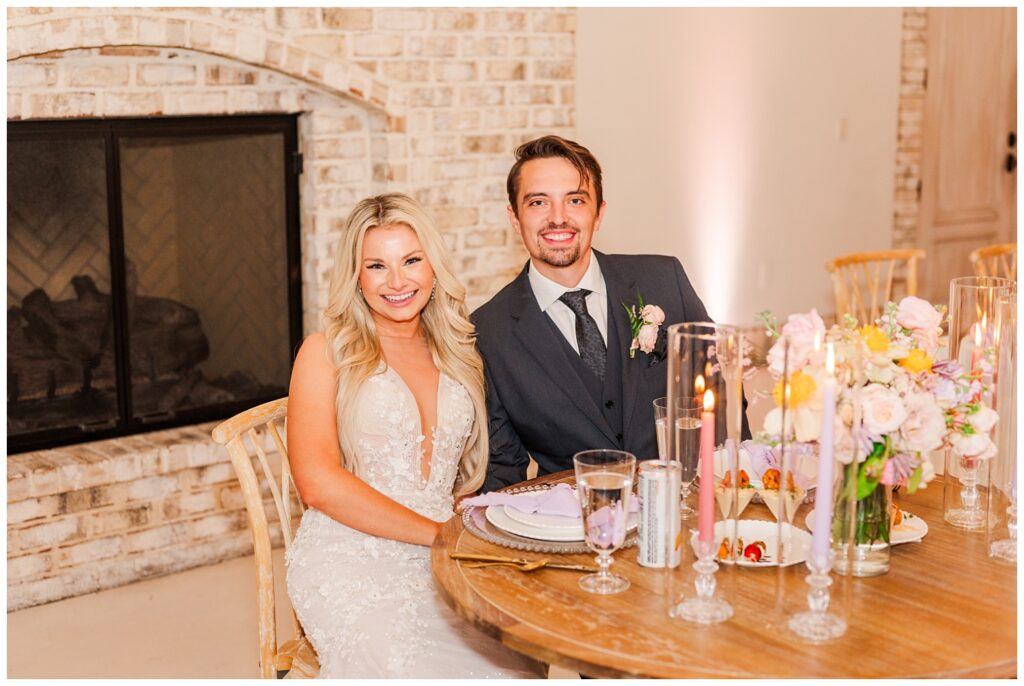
(427, 101)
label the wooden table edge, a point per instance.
(501, 626)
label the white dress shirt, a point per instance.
(548, 293)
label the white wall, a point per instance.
(753, 144)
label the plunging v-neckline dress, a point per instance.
(369, 604)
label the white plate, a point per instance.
(751, 530)
(496, 515)
(911, 530)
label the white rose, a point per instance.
(983, 420)
(921, 317)
(880, 370)
(977, 446)
(805, 422)
(883, 411)
(800, 330)
(925, 425)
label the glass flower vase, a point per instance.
(868, 541)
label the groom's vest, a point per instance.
(606, 395)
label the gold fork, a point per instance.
(527, 567)
(477, 561)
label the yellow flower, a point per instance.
(801, 388)
(875, 339)
(917, 361)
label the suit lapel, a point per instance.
(535, 335)
(622, 289)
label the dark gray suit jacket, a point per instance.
(537, 404)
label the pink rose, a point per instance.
(883, 411)
(923, 320)
(647, 337)
(801, 330)
(652, 314)
(925, 425)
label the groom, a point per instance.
(556, 340)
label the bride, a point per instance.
(386, 425)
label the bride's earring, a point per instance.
(360, 289)
(433, 289)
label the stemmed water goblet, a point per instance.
(687, 442)
(604, 484)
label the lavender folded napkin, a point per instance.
(559, 500)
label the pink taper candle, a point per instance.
(821, 543)
(706, 514)
(976, 351)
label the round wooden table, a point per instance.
(944, 609)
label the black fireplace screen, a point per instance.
(153, 273)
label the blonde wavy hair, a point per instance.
(353, 345)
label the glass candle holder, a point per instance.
(973, 335)
(704, 362)
(1002, 492)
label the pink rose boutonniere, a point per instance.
(644, 322)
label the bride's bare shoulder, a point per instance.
(313, 357)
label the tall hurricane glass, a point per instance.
(1002, 492)
(973, 335)
(604, 484)
(705, 362)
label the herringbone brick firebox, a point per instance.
(426, 101)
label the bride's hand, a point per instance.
(459, 501)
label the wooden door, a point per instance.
(968, 195)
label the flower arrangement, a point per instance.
(910, 403)
(644, 322)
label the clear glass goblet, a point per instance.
(687, 442)
(604, 484)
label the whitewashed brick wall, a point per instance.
(431, 102)
(97, 515)
(909, 135)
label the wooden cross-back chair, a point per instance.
(863, 282)
(996, 260)
(260, 425)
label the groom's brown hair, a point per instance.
(555, 146)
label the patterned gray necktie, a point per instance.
(588, 336)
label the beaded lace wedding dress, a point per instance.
(369, 604)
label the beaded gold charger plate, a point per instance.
(475, 520)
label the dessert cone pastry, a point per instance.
(744, 494)
(789, 501)
(723, 494)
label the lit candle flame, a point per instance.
(817, 341)
(977, 332)
(698, 385)
(709, 400)
(707, 368)
(830, 359)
